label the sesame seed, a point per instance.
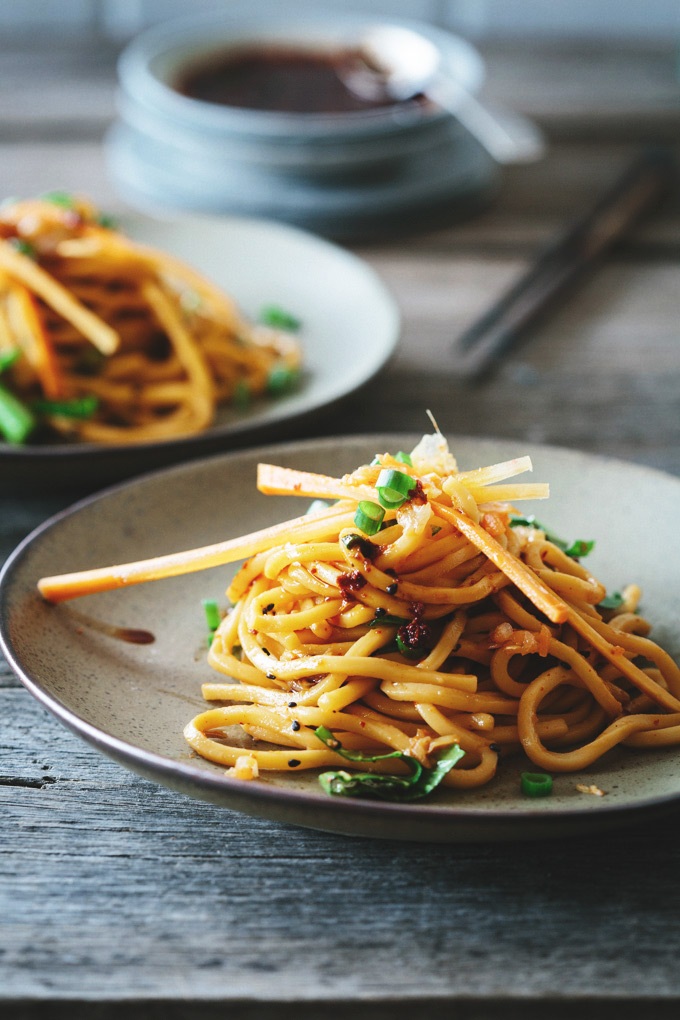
(293, 762)
(295, 725)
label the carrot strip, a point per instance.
(279, 481)
(534, 589)
(37, 344)
(23, 269)
(62, 587)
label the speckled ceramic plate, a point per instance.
(132, 701)
(350, 326)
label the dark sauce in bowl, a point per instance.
(283, 80)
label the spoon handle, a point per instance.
(641, 184)
(507, 136)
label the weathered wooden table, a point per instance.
(117, 895)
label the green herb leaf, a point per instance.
(212, 614)
(279, 318)
(387, 621)
(612, 601)
(384, 787)
(580, 548)
(577, 549)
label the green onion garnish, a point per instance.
(212, 614)
(16, 420)
(316, 505)
(23, 247)
(613, 601)
(577, 549)
(282, 378)
(404, 458)
(368, 517)
(80, 407)
(384, 787)
(536, 784)
(394, 488)
(242, 394)
(60, 198)
(8, 358)
(279, 318)
(376, 462)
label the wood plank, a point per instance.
(112, 887)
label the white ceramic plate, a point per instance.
(132, 701)
(350, 326)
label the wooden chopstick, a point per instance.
(639, 186)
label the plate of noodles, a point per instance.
(129, 345)
(430, 650)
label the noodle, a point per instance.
(150, 345)
(443, 626)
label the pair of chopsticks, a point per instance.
(636, 190)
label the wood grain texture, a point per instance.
(118, 897)
(111, 879)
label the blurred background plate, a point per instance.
(350, 326)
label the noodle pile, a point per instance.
(120, 343)
(446, 626)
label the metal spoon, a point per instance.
(400, 64)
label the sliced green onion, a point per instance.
(242, 394)
(60, 198)
(376, 462)
(212, 614)
(282, 378)
(80, 407)
(404, 458)
(279, 318)
(613, 601)
(368, 517)
(316, 505)
(16, 420)
(23, 247)
(394, 488)
(8, 358)
(536, 784)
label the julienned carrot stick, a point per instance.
(62, 587)
(279, 481)
(534, 589)
(38, 345)
(23, 269)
